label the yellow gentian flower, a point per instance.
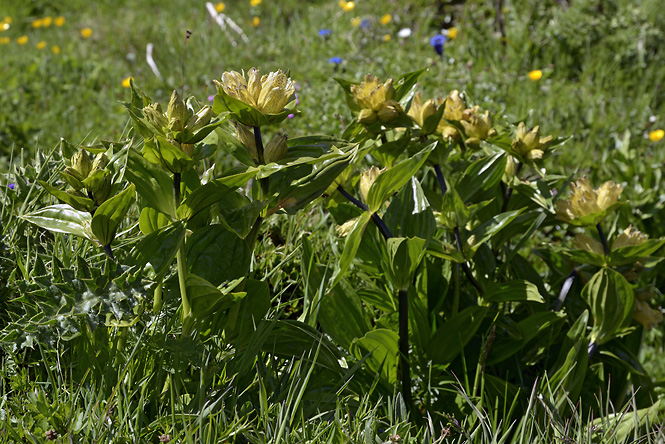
(454, 110)
(375, 100)
(477, 126)
(367, 178)
(452, 33)
(588, 206)
(420, 111)
(646, 315)
(268, 94)
(55, 49)
(628, 238)
(529, 144)
(46, 21)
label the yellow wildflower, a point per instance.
(386, 38)
(4, 26)
(4, 40)
(529, 144)
(646, 315)
(55, 49)
(219, 7)
(8, 20)
(452, 33)
(588, 206)
(656, 135)
(356, 21)
(420, 111)
(385, 19)
(255, 2)
(41, 45)
(22, 40)
(256, 21)
(246, 137)
(38, 23)
(367, 178)
(628, 238)
(375, 99)
(86, 33)
(268, 94)
(477, 126)
(454, 110)
(126, 82)
(535, 75)
(59, 21)
(347, 6)
(47, 21)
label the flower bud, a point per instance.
(200, 119)
(154, 115)
(246, 137)
(81, 165)
(509, 171)
(367, 178)
(367, 116)
(276, 149)
(177, 111)
(100, 162)
(187, 148)
(103, 192)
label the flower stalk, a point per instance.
(181, 262)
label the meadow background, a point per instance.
(65, 71)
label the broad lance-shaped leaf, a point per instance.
(382, 347)
(351, 246)
(450, 339)
(409, 213)
(80, 203)
(152, 220)
(481, 175)
(612, 302)
(391, 180)
(110, 214)
(206, 299)
(158, 149)
(405, 255)
(513, 291)
(62, 218)
(158, 248)
(213, 192)
(153, 184)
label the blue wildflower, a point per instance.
(325, 32)
(12, 185)
(437, 43)
(365, 24)
(335, 60)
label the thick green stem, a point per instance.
(405, 367)
(157, 300)
(182, 264)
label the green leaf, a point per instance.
(391, 180)
(241, 111)
(152, 220)
(169, 156)
(206, 299)
(527, 329)
(382, 346)
(217, 254)
(153, 184)
(351, 246)
(342, 316)
(80, 203)
(612, 303)
(409, 213)
(158, 248)
(405, 84)
(630, 254)
(450, 339)
(212, 192)
(481, 175)
(110, 214)
(623, 424)
(454, 212)
(513, 291)
(238, 213)
(484, 232)
(405, 256)
(62, 218)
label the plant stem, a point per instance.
(509, 190)
(603, 239)
(109, 252)
(258, 139)
(380, 224)
(157, 300)
(182, 263)
(465, 264)
(405, 367)
(440, 179)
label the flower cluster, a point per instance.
(375, 100)
(587, 205)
